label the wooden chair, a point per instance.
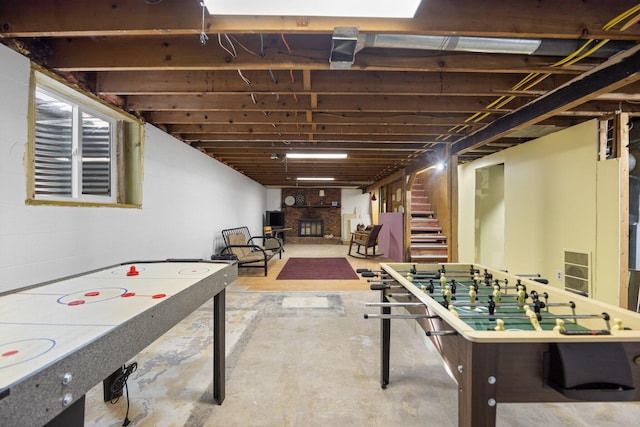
(270, 234)
(366, 238)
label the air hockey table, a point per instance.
(506, 338)
(61, 338)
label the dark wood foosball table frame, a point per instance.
(494, 367)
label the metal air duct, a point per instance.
(346, 42)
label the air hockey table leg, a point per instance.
(385, 344)
(73, 416)
(218, 347)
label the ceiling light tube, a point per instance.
(316, 155)
(312, 178)
(335, 8)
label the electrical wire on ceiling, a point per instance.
(231, 50)
(246, 49)
(293, 80)
(203, 34)
(633, 16)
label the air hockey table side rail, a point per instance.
(42, 395)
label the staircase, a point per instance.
(428, 244)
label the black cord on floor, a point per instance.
(121, 383)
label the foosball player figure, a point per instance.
(559, 325)
(617, 324)
(522, 295)
(447, 293)
(534, 321)
(453, 311)
(472, 298)
(496, 294)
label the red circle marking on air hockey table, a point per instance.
(17, 352)
(91, 296)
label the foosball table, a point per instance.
(509, 338)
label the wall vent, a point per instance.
(577, 272)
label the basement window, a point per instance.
(82, 150)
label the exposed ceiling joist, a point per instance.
(263, 86)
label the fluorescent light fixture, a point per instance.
(316, 155)
(334, 8)
(311, 178)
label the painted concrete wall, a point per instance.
(554, 188)
(489, 215)
(188, 198)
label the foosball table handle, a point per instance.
(440, 333)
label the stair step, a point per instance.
(429, 246)
(428, 238)
(427, 243)
(421, 212)
(416, 222)
(426, 229)
(429, 257)
(421, 206)
(442, 254)
(429, 254)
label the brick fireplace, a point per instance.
(312, 218)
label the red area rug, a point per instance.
(317, 269)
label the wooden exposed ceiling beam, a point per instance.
(344, 104)
(548, 19)
(269, 129)
(304, 137)
(390, 111)
(320, 118)
(186, 53)
(617, 72)
(270, 146)
(332, 82)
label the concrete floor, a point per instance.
(308, 358)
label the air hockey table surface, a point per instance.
(60, 338)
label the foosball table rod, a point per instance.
(382, 286)
(394, 304)
(440, 333)
(603, 316)
(403, 295)
(365, 272)
(382, 281)
(400, 316)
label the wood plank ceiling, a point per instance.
(256, 88)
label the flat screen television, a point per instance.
(275, 218)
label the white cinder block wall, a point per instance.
(187, 199)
